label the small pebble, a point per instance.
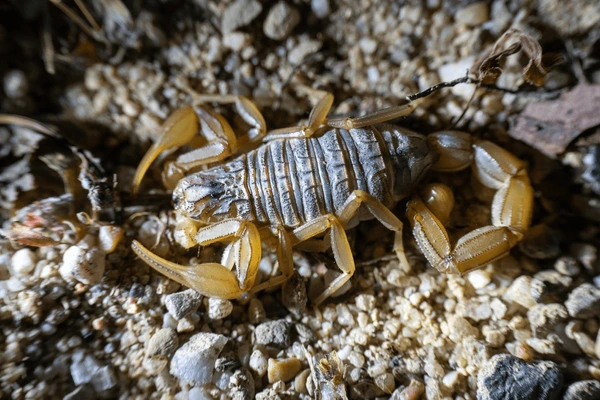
(544, 317)
(508, 377)
(183, 303)
(219, 308)
(23, 262)
(109, 237)
(256, 312)
(240, 13)
(479, 278)
(519, 292)
(583, 390)
(584, 301)
(15, 84)
(320, 8)
(473, 14)
(385, 382)
(567, 265)
(274, 333)
(283, 370)
(281, 20)
(258, 363)
(86, 266)
(194, 362)
(162, 344)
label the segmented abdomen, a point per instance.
(292, 181)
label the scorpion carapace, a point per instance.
(326, 176)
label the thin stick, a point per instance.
(435, 88)
(88, 15)
(48, 45)
(96, 34)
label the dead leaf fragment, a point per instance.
(550, 126)
(490, 65)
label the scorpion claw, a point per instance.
(209, 279)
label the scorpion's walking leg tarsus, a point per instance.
(316, 118)
(220, 140)
(213, 279)
(511, 207)
(339, 244)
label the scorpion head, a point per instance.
(210, 196)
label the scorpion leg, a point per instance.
(373, 118)
(286, 264)
(316, 118)
(340, 246)
(511, 211)
(213, 279)
(381, 213)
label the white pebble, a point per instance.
(218, 308)
(194, 362)
(479, 279)
(23, 262)
(258, 363)
(85, 266)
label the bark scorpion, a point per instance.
(306, 185)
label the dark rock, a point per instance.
(274, 333)
(541, 242)
(583, 390)
(507, 377)
(293, 295)
(584, 302)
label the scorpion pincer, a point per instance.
(325, 177)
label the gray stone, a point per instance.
(544, 317)
(194, 362)
(274, 333)
(584, 301)
(320, 8)
(507, 377)
(239, 13)
(183, 303)
(280, 21)
(103, 379)
(583, 390)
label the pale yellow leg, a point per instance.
(373, 118)
(284, 257)
(213, 279)
(511, 213)
(316, 118)
(381, 213)
(339, 244)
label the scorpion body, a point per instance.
(307, 184)
(288, 182)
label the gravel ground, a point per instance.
(82, 319)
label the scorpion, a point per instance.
(306, 185)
